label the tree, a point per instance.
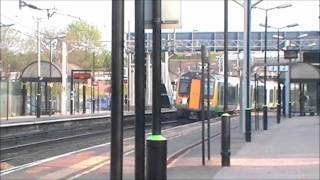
(82, 40)
(14, 49)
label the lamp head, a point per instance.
(284, 6)
(292, 25)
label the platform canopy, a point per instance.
(303, 72)
(30, 72)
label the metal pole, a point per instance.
(71, 93)
(84, 99)
(0, 86)
(78, 98)
(39, 71)
(46, 97)
(117, 89)
(289, 88)
(248, 31)
(98, 100)
(208, 106)
(140, 91)
(129, 82)
(50, 74)
(203, 57)
(192, 42)
(156, 46)
(278, 79)
(256, 102)
(156, 143)
(265, 108)
(30, 98)
(225, 97)
(24, 95)
(92, 84)
(8, 87)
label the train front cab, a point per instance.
(188, 101)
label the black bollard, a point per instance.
(290, 109)
(278, 113)
(265, 117)
(248, 125)
(156, 157)
(225, 140)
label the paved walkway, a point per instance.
(287, 151)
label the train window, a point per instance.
(260, 95)
(271, 96)
(184, 86)
(211, 88)
(221, 94)
(232, 93)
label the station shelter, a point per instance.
(50, 79)
(304, 89)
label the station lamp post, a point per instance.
(265, 108)
(278, 62)
(192, 39)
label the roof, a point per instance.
(30, 72)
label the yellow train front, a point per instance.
(188, 99)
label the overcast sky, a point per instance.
(201, 15)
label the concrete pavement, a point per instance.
(289, 150)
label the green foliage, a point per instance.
(83, 41)
(81, 32)
(17, 61)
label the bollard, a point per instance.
(156, 157)
(289, 109)
(248, 125)
(265, 117)
(225, 140)
(278, 113)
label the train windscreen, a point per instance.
(206, 88)
(184, 86)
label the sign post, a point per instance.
(80, 75)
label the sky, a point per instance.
(200, 15)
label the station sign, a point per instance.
(81, 76)
(170, 14)
(291, 54)
(275, 68)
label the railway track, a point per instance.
(13, 147)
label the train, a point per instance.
(188, 95)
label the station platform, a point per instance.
(289, 150)
(64, 117)
(57, 116)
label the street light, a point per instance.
(265, 109)
(192, 48)
(50, 71)
(278, 62)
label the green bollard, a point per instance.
(156, 157)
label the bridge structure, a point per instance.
(192, 41)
